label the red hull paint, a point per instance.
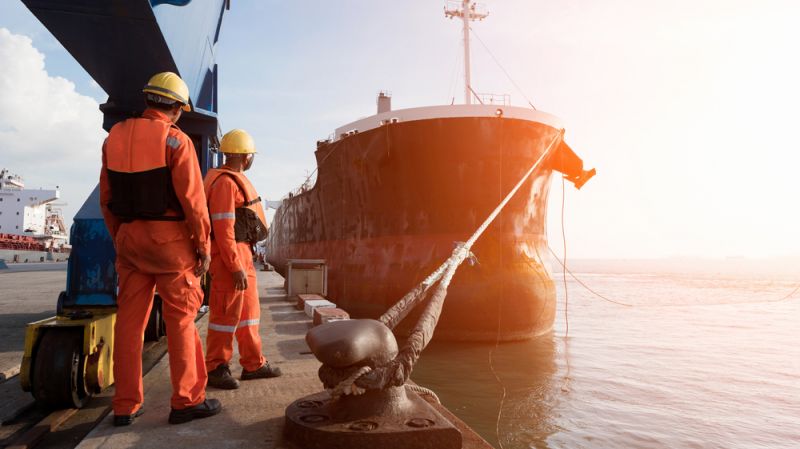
(389, 204)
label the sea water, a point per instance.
(703, 358)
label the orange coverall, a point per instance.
(157, 254)
(232, 312)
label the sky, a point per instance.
(686, 109)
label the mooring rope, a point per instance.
(422, 390)
(398, 370)
(399, 310)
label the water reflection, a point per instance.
(462, 376)
(701, 361)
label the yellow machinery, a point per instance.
(70, 357)
(67, 359)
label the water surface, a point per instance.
(704, 359)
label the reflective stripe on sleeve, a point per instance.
(221, 328)
(223, 216)
(244, 323)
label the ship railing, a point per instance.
(306, 185)
(493, 99)
(311, 178)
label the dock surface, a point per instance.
(25, 296)
(253, 415)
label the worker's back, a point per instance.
(138, 153)
(151, 177)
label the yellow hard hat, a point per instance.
(169, 85)
(237, 141)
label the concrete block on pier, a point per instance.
(324, 315)
(316, 303)
(303, 297)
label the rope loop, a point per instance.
(348, 386)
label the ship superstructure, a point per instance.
(31, 226)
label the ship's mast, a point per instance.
(467, 12)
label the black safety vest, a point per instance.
(139, 176)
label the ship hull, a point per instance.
(390, 203)
(13, 256)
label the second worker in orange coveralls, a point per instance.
(238, 223)
(153, 204)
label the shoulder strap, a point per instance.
(238, 184)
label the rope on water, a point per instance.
(624, 304)
(567, 270)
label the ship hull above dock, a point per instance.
(390, 203)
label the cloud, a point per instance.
(49, 134)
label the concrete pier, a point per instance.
(24, 297)
(253, 415)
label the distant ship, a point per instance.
(395, 191)
(31, 227)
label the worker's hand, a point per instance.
(240, 280)
(203, 262)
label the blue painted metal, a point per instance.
(121, 43)
(190, 32)
(91, 277)
(170, 2)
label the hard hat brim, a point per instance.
(166, 93)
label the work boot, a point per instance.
(127, 420)
(220, 377)
(209, 407)
(264, 372)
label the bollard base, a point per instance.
(315, 422)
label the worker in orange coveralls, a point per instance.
(238, 223)
(152, 198)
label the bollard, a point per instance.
(391, 418)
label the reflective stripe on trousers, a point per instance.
(233, 314)
(232, 329)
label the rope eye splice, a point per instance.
(359, 351)
(348, 386)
